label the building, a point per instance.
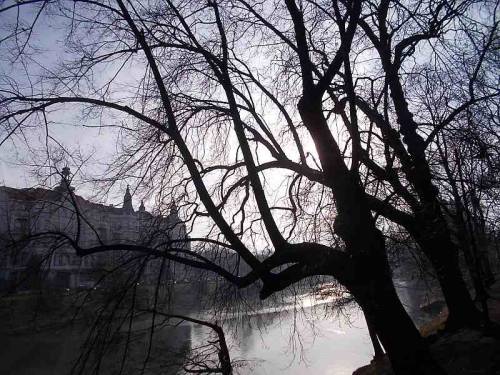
(36, 223)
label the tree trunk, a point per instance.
(377, 348)
(370, 281)
(443, 255)
(432, 225)
(226, 367)
(406, 349)
(374, 290)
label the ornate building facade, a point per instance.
(37, 226)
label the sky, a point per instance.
(48, 37)
(44, 51)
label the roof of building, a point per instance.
(32, 196)
(38, 194)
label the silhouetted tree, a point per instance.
(416, 90)
(247, 116)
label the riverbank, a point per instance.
(464, 352)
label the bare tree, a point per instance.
(415, 90)
(238, 112)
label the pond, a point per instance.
(302, 342)
(297, 337)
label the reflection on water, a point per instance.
(297, 343)
(282, 339)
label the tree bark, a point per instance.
(406, 349)
(433, 232)
(443, 254)
(377, 348)
(370, 282)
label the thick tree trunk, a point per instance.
(406, 349)
(443, 255)
(369, 281)
(461, 308)
(374, 290)
(432, 227)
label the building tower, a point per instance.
(64, 185)
(127, 201)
